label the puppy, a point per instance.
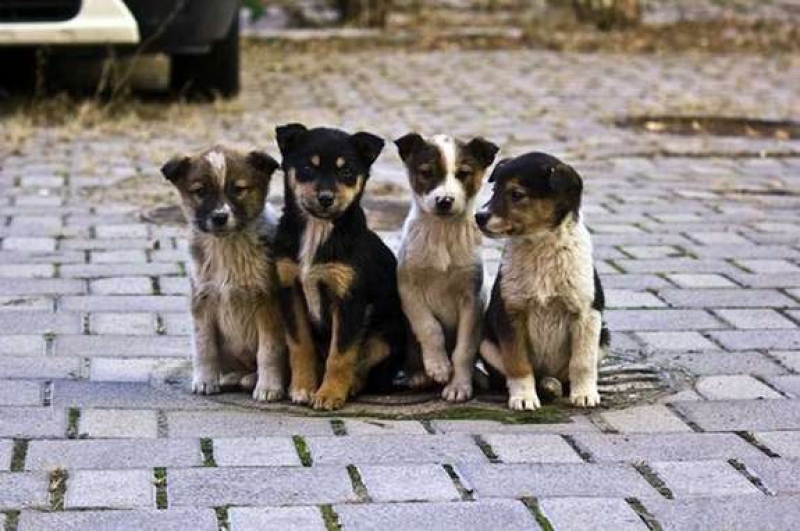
(440, 270)
(545, 313)
(238, 331)
(339, 279)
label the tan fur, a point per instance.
(336, 277)
(303, 359)
(287, 271)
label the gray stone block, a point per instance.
(644, 419)
(781, 476)
(141, 520)
(789, 384)
(26, 303)
(578, 424)
(127, 303)
(39, 367)
(6, 452)
(261, 451)
(633, 447)
(257, 518)
(213, 487)
(508, 515)
(691, 341)
(387, 483)
(579, 514)
(177, 324)
(22, 345)
(29, 323)
(113, 489)
(33, 422)
(755, 319)
(91, 271)
(524, 448)
(41, 286)
(383, 427)
(731, 513)
(399, 449)
(242, 424)
(734, 387)
(101, 454)
(80, 393)
(123, 346)
(121, 286)
(707, 280)
(710, 363)
(661, 320)
(26, 270)
(703, 478)
(129, 324)
(562, 479)
(23, 490)
(783, 443)
(118, 424)
(626, 298)
(726, 298)
(743, 415)
(20, 393)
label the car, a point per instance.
(200, 36)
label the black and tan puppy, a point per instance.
(339, 278)
(238, 329)
(545, 314)
(440, 269)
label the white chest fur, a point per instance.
(315, 234)
(440, 244)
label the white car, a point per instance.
(201, 36)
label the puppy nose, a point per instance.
(482, 218)
(444, 204)
(325, 198)
(219, 219)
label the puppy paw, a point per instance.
(584, 398)
(457, 391)
(524, 402)
(440, 370)
(327, 400)
(419, 380)
(300, 395)
(265, 394)
(205, 384)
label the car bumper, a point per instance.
(97, 22)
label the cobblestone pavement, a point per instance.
(697, 239)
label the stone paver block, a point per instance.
(121, 286)
(177, 324)
(383, 427)
(118, 256)
(386, 483)
(710, 363)
(143, 520)
(703, 478)
(578, 514)
(645, 419)
(20, 393)
(523, 448)
(125, 370)
(769, 266)
(242, 424)
(28, 322)
(725, 298)
(26, 303)
(29, 244)
(294, 518)
(123, 346)
(118, 424)
(212, 487)
(174, 285)
(788, 384)
(22, 345)
(121, 231)
(23, 490)
(784, 443)
(758, 340)
(743, 415)
(398, 449)
(635, 447)
(129, 324)
(6, 452)
(26, 270)
(732, 513)
(112, 271)
(115, 489)
(127, 303)
(707, 280)
(781, 476)
(41, 286)
(578, 424)
(509, 515)
(122, 395)
(790, 359)
(737, 387)
(625, 298)
(33, 422)
(661, 320)
(262, 451)
(37, 367)
(756, 319)
(605, 480)
(691, 341)
(98, 454)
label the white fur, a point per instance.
(450, 186)
(315, 234)
(218, 164)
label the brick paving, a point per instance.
(698, 240)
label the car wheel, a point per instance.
(210, 74)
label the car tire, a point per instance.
(215, 73)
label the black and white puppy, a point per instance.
(545, 315)
(440, 270)
(238, 329)
(339, 279)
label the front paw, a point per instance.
(205, 383)
(300, 395)
(584, 397)
(524, 401)
(328, 399)
(439, 368)
(457, 391)
(419, 380)
(267, 391)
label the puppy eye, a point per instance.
(199, 192)
(240, 190)
(517, 195)
(463, 174)
(425, 173)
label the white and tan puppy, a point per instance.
(545, 317)
(238, 330)
(440, 269)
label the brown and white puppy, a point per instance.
(545, 314)
(440, 271)
(238, 332)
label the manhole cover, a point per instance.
(714, 125)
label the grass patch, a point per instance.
(72, 423)
(223, 523)
(358, 484)
(487, 449)
(536, 511)
(207, 449)
(12, 519)
(330, 518)
(302, 450)
(18, 455)
(160, 482)
(656, 482)
(648, 519)
(57, 488)
(543, 415)
(466, 494)
(338, 427)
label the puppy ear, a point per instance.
(565, 180)
(483, 150)
(263, 163)
(175, 169)
(288, 136)
(367, 145)
(408, 144)
(493, 176)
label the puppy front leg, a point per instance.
(428, 332)
(518, 369)
(206, 362)
(585, 336)
(270, 358)
(341, 367)
(468, 339)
